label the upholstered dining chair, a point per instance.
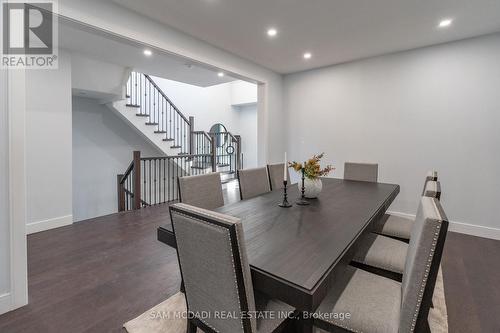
(276, 178)
(432, 189)
(253, 182)
(385, 255)
(216, 274)
(378, 304)
(400, 227)
(367, 172)
(204, 191)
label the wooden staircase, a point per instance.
(153, 180)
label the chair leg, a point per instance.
(191, 327)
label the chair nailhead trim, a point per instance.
(424, 280)
(336, 323)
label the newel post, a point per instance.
(191, 136)
(121, 193)
(238, 152)
(137, 179)
(213, 151)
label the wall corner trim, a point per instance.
(5, 303)
(53, 223)
(462, 228)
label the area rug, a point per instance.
(167, 317)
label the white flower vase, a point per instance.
(312, 187)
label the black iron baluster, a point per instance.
(154, 173)
(164, 192)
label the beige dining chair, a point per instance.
(216, 275)
(253, 182)
(204, 191)
(385, 255)
(379, 304)
(400, 227)
(367, 172)
(276, 173)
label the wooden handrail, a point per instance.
(127, 173)
(173, 157)
(165, 96)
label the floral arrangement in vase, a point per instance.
(312, 172)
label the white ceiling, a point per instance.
(112, 49)
(335, 31)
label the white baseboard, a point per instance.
(475, 230)
(463, 228)
(57, 222)
(5, 303)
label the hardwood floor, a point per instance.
(95, 275)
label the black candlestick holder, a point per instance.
(303, 201)
(285, 203)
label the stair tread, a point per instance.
(163, 132)
(175, 146)
(168, 139)
(141, 115)
(148, 123)
(133, 105)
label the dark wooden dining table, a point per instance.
(293, 251)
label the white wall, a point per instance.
(96, 76)
(111, 17)
(243, 93)
(48, 146)
(431, 108)
(248, 130)
(214, 104)
(4, 192)
(102, 149)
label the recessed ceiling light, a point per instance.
(147, 53)
(307, 55)
(220, 74)
(445, 23)
(272, 32)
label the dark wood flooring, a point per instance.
(95, 275)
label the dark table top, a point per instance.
(301, 244)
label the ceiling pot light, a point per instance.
(147, 53)
(445, 23)
(272, 32)
(307, 55)
(220, 74)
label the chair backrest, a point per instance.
(275, 172)
(422, 264)
(367, 172)
(253, 182)
(204, 191)
(214, 267)
(431, 176)
(432, 189)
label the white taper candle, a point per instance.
(284, 169)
